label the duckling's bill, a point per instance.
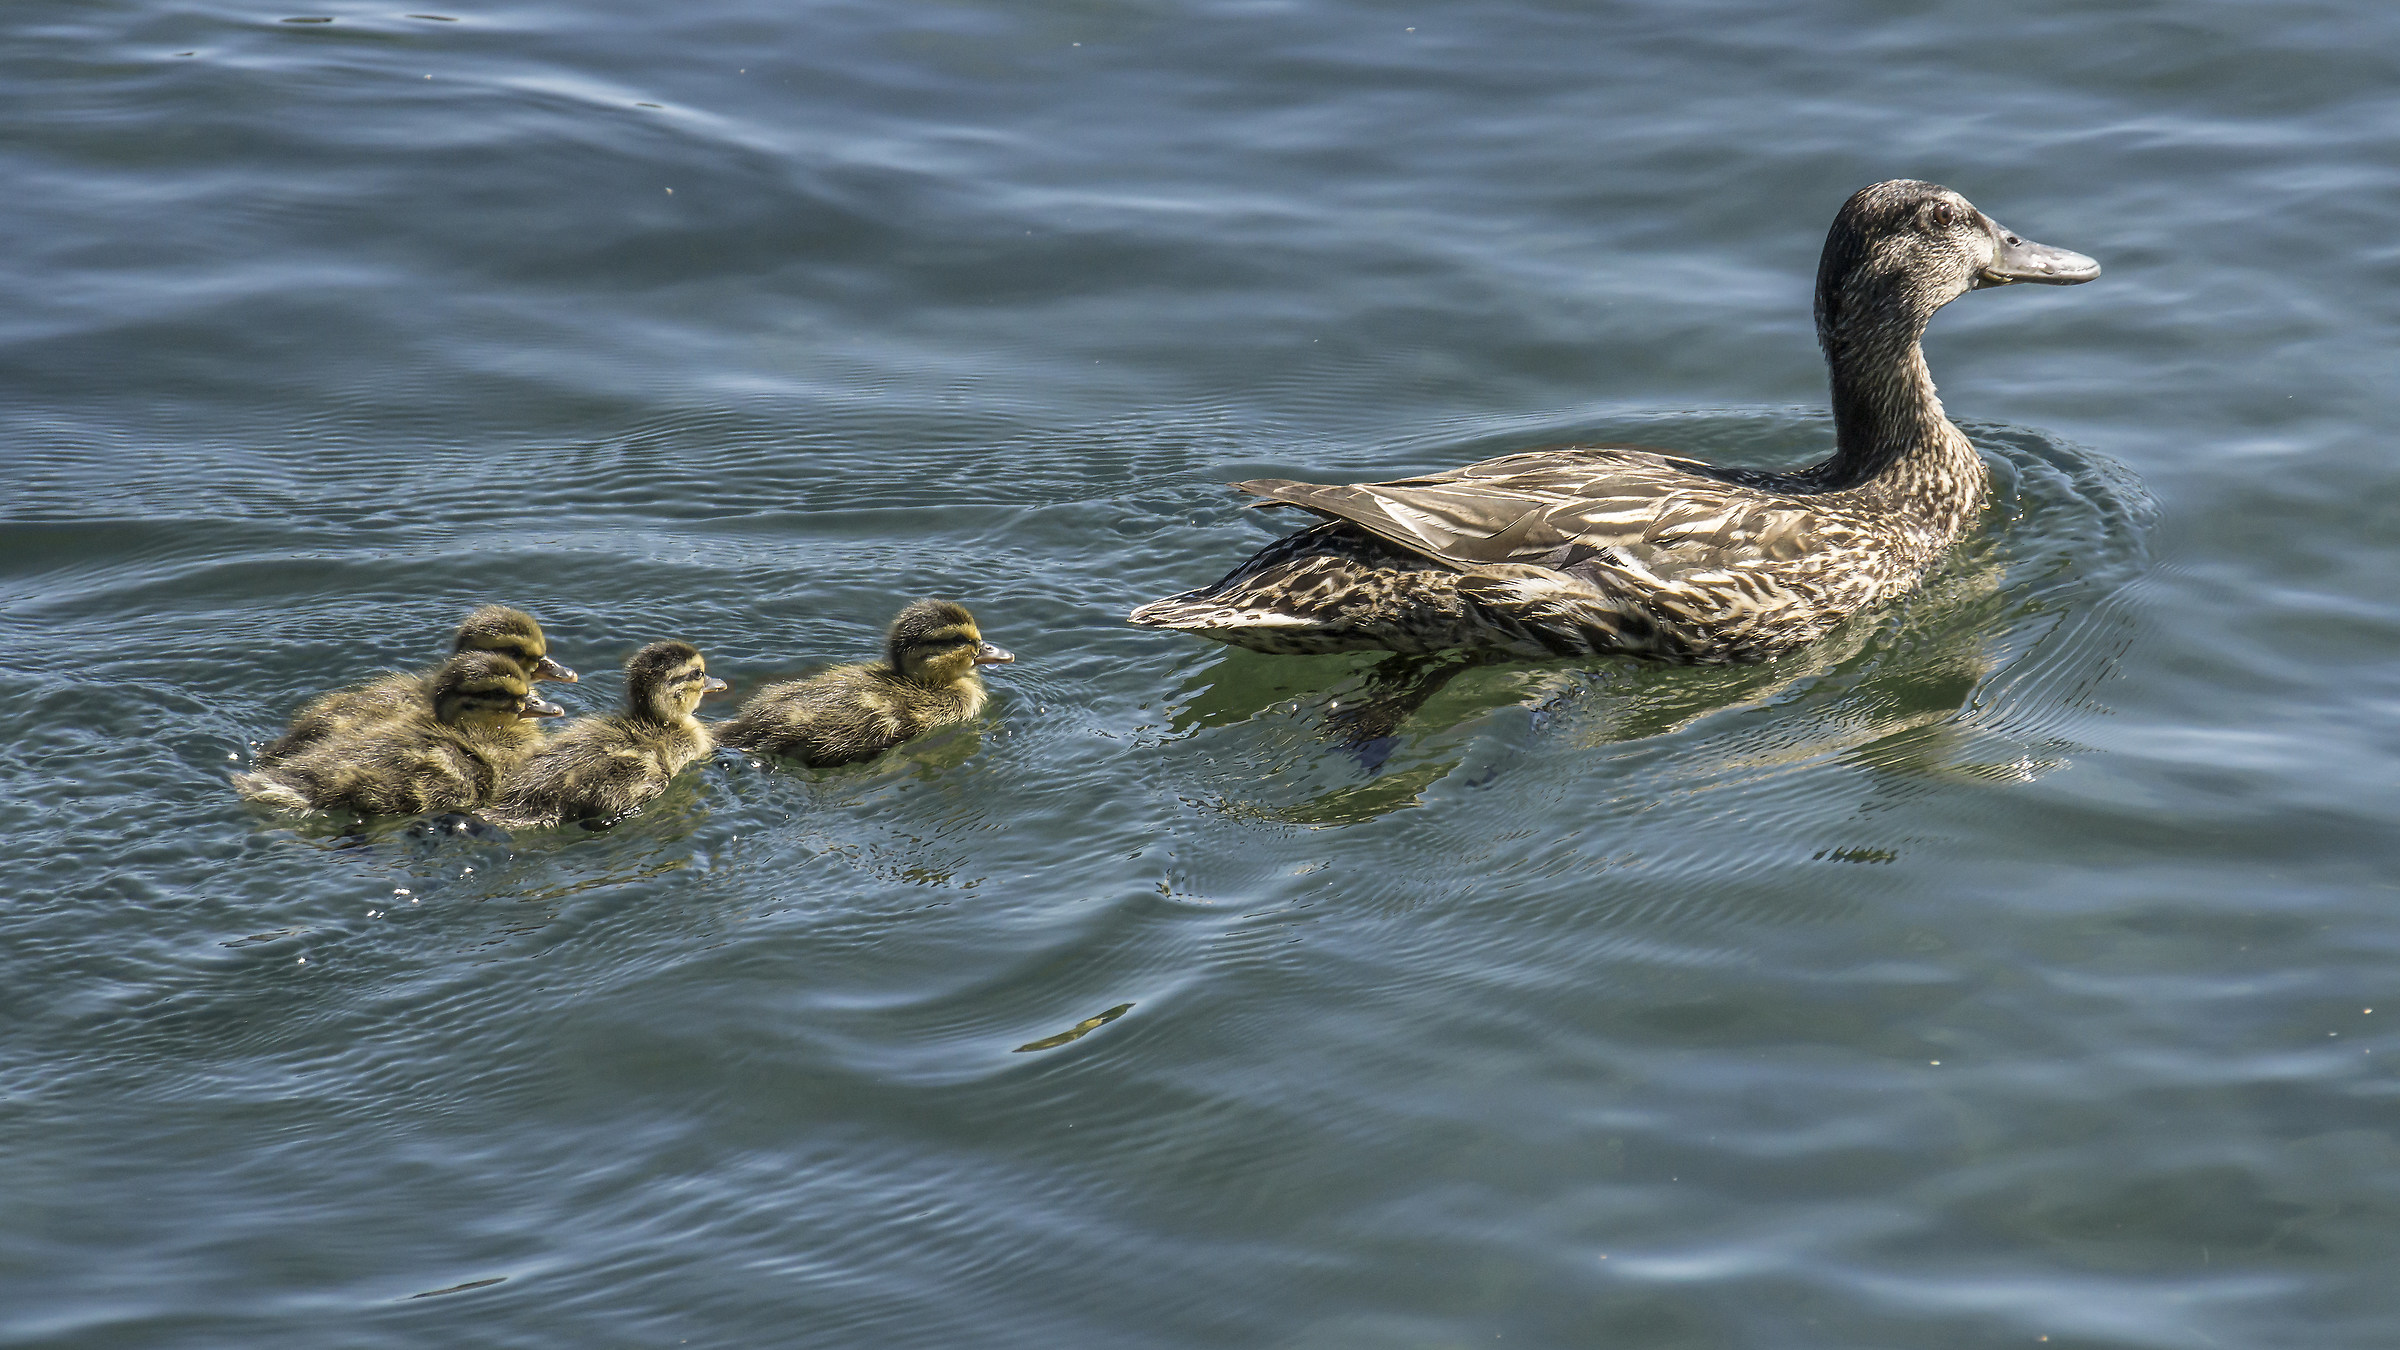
(547, 668)
(540, 707)
(988, 655)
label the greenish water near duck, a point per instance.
(1999, 970)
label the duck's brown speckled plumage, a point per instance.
(505, 632)
(1596, 550)
(926, 680)
(600, 769)
(446, 754)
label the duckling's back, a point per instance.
(344, 712)
(846, 714)
(598, 770)
(403, 768)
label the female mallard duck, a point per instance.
(601, 768)
(445, 755)
(510, 633)
(926, 680)
(1602, 550)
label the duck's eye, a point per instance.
(1941, 215)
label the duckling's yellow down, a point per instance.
(446, 754)
(509, 633)
(603, 768)
(926, 680)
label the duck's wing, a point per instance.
(1557, 508)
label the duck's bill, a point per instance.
(540, 707)
(713, 685)
(988, 655)
(2024, 260)
(547, 669)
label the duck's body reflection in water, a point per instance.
(1376, 717)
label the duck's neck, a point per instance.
(963, 691)
(970, 693)
(1894, 447)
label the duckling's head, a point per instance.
(1900, 250)
(936, 642)
(485, 689)
(514, 634)
(664, 681)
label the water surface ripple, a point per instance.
(2006, 971)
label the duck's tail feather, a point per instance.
(270, 791)
(1195, 612)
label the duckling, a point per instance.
(927, 679)
(510, 633)
(1607, 549)
(446, 755)
(601, 768)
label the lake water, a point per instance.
(2015, 969)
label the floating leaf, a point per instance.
(1080, 1029)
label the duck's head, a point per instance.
(1900, 250)
(936, 642)
(665, 681)
(485, 689)
(514, 634)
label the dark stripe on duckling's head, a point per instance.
(484, 686)
(937, 641)
(665, 681)
(512, 633)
